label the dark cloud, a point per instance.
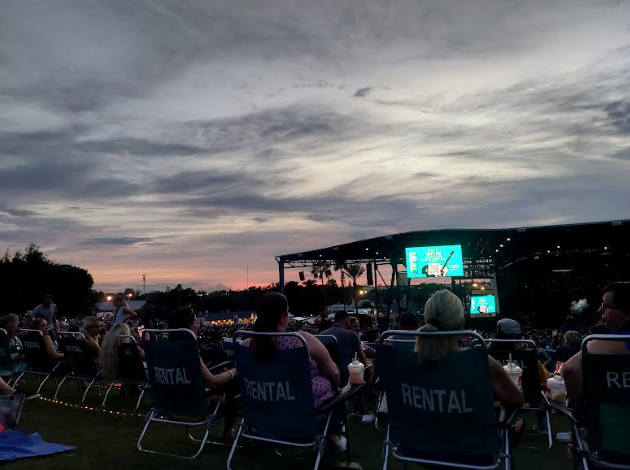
(124, 145)
(362, 92)
(114, 241)
(618, 113)
(16, 211)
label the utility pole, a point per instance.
(144, 284)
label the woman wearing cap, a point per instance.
(443, 312)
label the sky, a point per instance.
(189, 140)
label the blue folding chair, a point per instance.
(277, 399)
(177, 387)
(131, 371)
(527, 360)
(606, 393)
(82, 365)
(441, 416)
(37, 361)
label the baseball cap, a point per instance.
(509, 327)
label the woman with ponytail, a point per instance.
(445, 312)
(272, 311)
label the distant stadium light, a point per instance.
(501, 245)
(509, 239)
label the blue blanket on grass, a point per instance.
(15, 445)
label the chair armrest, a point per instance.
(221, 366)
(506, 416)
(343, 395)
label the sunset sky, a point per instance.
(187, 139)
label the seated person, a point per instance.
(272, 310)
(444, 312)
(108, 358)
(348, 342)
(42, 325)
(91, 328)
(212, 352)
(11, 324)
(615, 311)
(571, 343)
(184, 317)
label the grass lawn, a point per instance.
(106, 441)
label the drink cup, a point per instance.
(514, 372)
(356, 370)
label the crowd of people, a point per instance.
(443, 312)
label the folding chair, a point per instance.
(37, 361)
(176, 385)
(277, 399)
(441, 416)
(11, 410)
(8, 368)
(527, 359)
(82, 365)
(130, 369)
(606, 394)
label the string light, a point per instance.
(89, 408)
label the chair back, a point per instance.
(607, 400)
(10, 410)
(331, 345)
(276, 394)
(35, 350)
(76, 355)
(445, 410)
(6, 363)
(527, 359)
(174, 372)
(130, 366)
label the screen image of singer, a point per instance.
(482, 305)
(434, 261)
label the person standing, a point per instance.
(48, 311)
(122, 312)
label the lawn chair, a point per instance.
(37, 361)
(330, 343)
(442, 416)
(607, 409)
(82, 365)
(11, 410)
(9, 370)
(527, 359)
(277, 399)
(177, 387)
(131, 370)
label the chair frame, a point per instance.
(389, 449)
(75, 376)
(320, 441)
(14, 373)
(154, 417)
(545, 408)
(38, 374)
(142, 385)
(581, 451)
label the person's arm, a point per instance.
(92, 346)
(6, 389)
(50, 349)
(326, 366)
(504, 388)
(214, 381)
(573, 379)
(130, 313)
(359, 350)
(141, 352)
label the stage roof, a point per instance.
(503, 245)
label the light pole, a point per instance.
(109, 299)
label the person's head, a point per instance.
(572, 340)
(272, 315)
(119, 301)
(10, 323)
(91, 327)
(408, 321)
(28, 317)
(442, 312)
(108, 357)
(615, 308)
(48, 300)
(40, 324)
(354, 325)
(341, 319)
(509, 329)
(182, 317)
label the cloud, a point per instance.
(362, 92)
(115, 241)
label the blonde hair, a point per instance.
(442, 312)
(88, 322)
(108, 358)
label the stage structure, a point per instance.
(533, 271)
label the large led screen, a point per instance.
(434, 261)
(482, 304)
